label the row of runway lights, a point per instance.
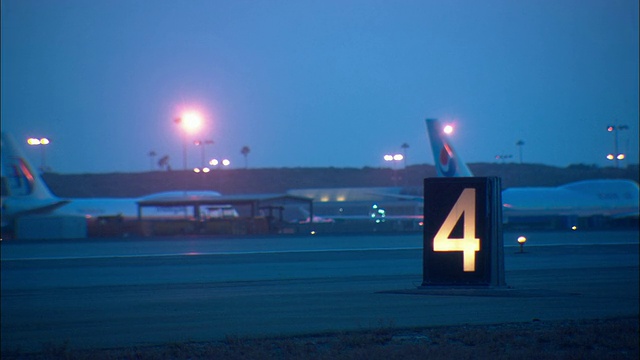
(523, 239)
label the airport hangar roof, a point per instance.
(256, 201)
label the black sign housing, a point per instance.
(453, 255)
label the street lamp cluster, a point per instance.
(616, 155)
(213, 162)
(34, 141)
(191, 123)
(40, 142)
(396, 157)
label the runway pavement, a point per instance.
(99, 293)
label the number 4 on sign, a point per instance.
(469, 244)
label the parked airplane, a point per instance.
(24, 193)
(613, 198)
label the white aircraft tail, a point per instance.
(18, 177)
(23, 190)
(447, 161)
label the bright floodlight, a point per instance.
(191, 122)
(448, 129)
(388, 157)
(213, 162)
(34, 141)
(398, 157)
(226, 162)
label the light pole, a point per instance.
(520, 144)
(203, 143)
(152, 156)
(404, 147)
(190, 123)
(616, 155)
(42, 142)
(394, 159)
(184, 145)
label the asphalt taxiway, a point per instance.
(100, 293)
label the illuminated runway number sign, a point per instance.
(462, 232)
(465, 207)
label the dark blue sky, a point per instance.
(319, 83)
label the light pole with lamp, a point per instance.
(616, 155)
(191, 123)
(203, 143)
(520, 144)
(42, 142)
(394, 159)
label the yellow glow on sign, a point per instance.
(469, 244)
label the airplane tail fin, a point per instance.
(19, 180)
(447, 161)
